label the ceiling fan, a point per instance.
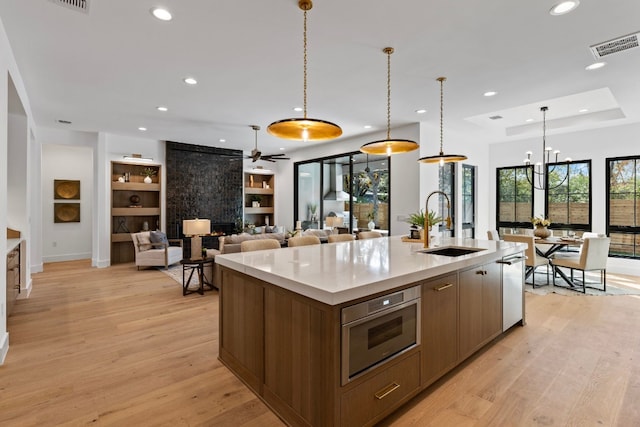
(257, 154)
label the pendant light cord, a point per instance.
(441, 80)
(388, 51)
(305, 63)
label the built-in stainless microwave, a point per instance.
(377, 330)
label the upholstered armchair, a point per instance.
(152, 249)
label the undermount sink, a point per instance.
(450, 251)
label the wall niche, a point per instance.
(203, 182)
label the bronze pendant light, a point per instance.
(442, 158)
(304, 129)
(389, 146)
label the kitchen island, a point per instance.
(283, 329)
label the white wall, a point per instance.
(8, 68)
(596, 145)
(70, 240)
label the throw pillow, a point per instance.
(158, 237)
(144, 242)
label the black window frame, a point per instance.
(322, 161)
(569, 226)
(442, 205)
(528, 171)
(616, 229)
(471, 196)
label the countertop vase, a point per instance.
(541, 231)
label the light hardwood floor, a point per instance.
(117, 346)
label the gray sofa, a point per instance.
(231, 244)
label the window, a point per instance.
(447, 179)
(468, 201)
(623, 206)
(515, 197)
(569, 195)
(352, 186)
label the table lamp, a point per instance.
(195, 228)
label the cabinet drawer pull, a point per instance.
(443, 287)
(387, 391)
(482, 272)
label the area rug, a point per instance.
(174, 271)
(616, 285)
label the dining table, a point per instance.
(550, 245)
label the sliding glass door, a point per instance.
(350, 191)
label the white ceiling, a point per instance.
(108, 70)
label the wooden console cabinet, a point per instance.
(14, 272)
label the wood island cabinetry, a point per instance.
(440, 327)
(135, 205)
(480, 311)
(259, 190)
(287, 342)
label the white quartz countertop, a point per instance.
(335, 273)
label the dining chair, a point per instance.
(533, 260)
(333, 238)
(493, 235)
(303, 241)
(259, 245)
(593, 257)
(369, 235)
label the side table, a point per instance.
(195, 266)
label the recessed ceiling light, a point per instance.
(281, 148)
(583, 110)
(190, 81)
(529, 120)
(564, 7)
(490, 93)
(421, 111)
(161, 14)
(297, 108)
(161, 108)
(595, 66)
(367, 126)
(222, 140)
(142, 129)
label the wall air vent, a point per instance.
(496, 117)
(620, 44)
(79, 5)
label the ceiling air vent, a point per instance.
(79, 5)
(620, 44)
(495, 117)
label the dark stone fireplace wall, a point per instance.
(203, 182)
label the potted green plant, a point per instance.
(371, 217)
(313, 216)
(255, 201)
(148, 173)
(417, 219)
